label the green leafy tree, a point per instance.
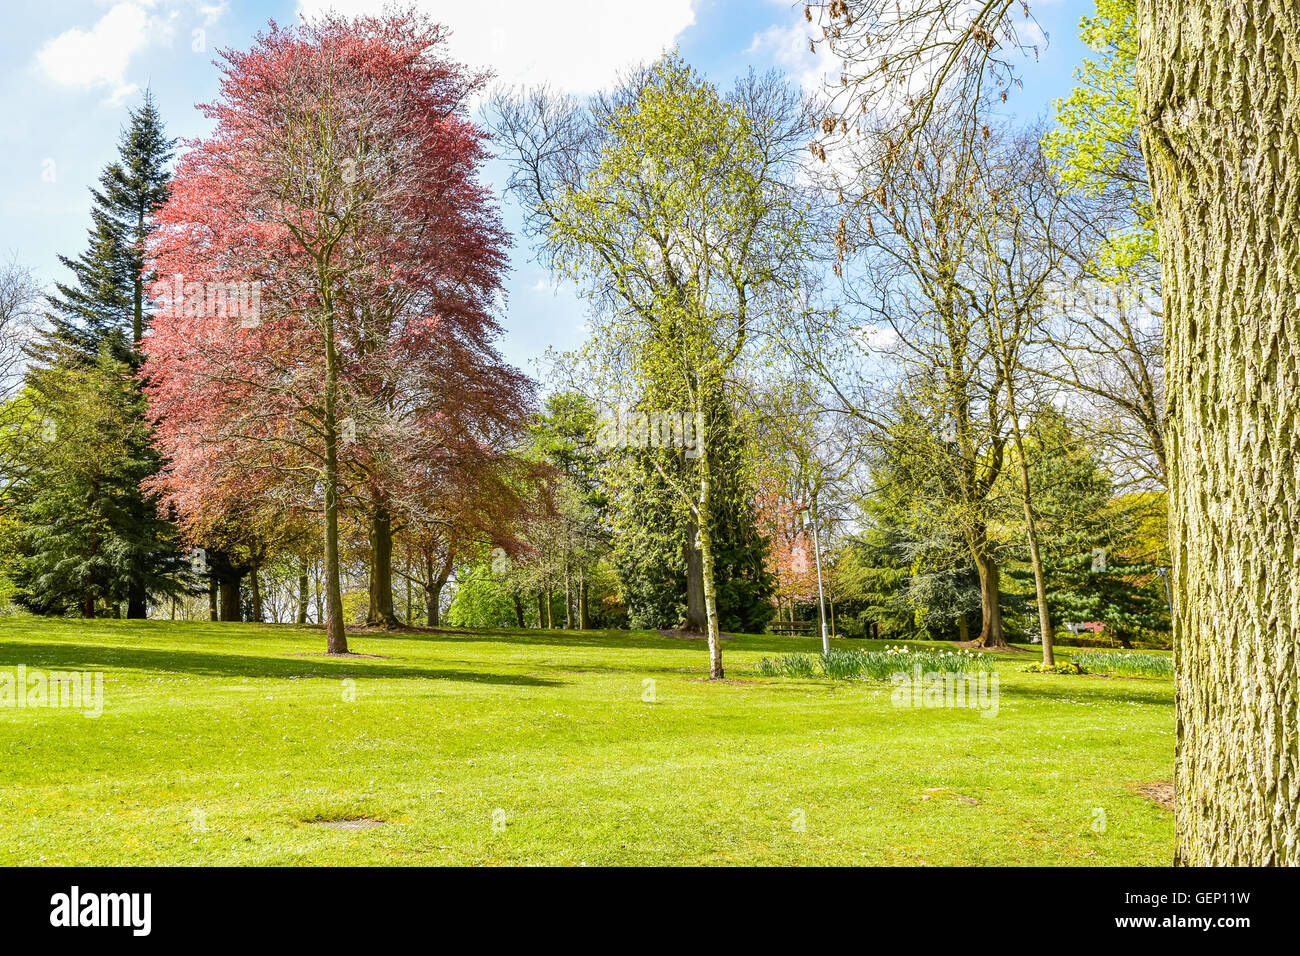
(1095, 561)
(85, 544)
(652, 561)
(1097, 148)
(682, 214)
(98, 321)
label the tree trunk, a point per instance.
(568, 598)
(541, 609)
(519, 611)
(232, 598)
(137, 299)
(1008, 360)
(703, 517)
(137, 602)
(213, 587)
(1222, 141)
(550, 611)
(336, 636)
(990, 610)
(303, 596)
(255, 586)
(1031, 526)
(382, 612)
(433, 603)
(697, 621)
(963, 629)
(584, 615)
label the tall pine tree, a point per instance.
(98, 319)
(105, 300)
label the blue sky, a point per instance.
(72, 67)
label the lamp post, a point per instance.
(1169, 597)
(821, 595)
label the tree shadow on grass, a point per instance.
(213, 663)
(606, 640)
(1127, 691)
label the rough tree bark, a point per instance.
(1219, 84)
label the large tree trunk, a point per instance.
(519, 610)
(433, 603)
(382, 612)
(232, 598)
(137, 602)
(990, 609)
(696, 616)
(1222, 142)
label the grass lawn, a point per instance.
(228, 744)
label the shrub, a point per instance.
(1125, 664)
(1038, 667)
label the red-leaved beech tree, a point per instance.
(337, 203)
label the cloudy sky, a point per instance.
(72, 67)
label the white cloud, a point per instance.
(787, 48)
(100, 57)
(875, 338)
(576, 45)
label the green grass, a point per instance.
(223, 725)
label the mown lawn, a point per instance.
(227, 744)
